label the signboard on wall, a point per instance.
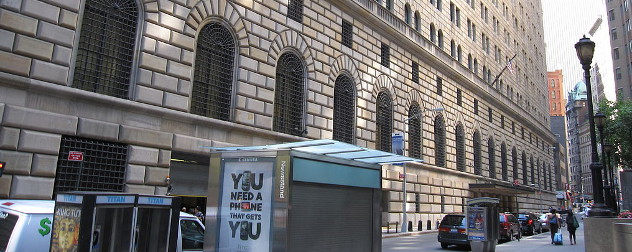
(246, 204)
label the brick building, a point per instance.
(138, 87)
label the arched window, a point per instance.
(460, 147)
(384, 122)
(213, 75)
(414, 131)
(514, 162)
(407, 13)
(440, 38)
(469, 62)
(289, 95)
(433, 35)
(491, 151)
(478, 160)
(106, 47)
(475, 66)
(459, 54)
(532, 170)
(439, 130)
(484, 73)
(417, 21)
(452, 49)
(344, 109)
(389, 5)
(503, 161)
(525, 179)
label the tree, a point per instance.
(618, 130)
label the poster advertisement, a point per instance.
(476, 224)
(246, 205)
(66, 222)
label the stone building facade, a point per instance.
(139, 86)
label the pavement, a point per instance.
(535, 243)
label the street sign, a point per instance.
(516, 182)
(75, 156)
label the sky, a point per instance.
(565, 22)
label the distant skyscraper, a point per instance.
(556, 93)
(557, 111)
(621, 43)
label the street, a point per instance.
(539, 243)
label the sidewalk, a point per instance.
(542, 243)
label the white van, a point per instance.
(26, 225)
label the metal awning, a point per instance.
(329, 148)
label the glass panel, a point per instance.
(7, 223)
(152, 227)
(192, 235)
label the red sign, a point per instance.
(75, 156)
(402, 176)
(516, 182)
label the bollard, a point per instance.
(420, 226)
(410, 226)
(428, 225)
(396, 226)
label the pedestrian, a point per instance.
(554, 221)
(199, 214)
(572, 225)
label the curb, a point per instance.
(391, 235)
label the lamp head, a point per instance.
(600, 119)
(585, 49)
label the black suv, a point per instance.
(530, 223)
(452, 231)
(509, 227)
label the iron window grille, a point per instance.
(439, 86)
(439, 129)
(478, 162)
(344, 108)
(440, 38)
(513, 128)
(525, 180)
(295, 10)
(491, 151)
(460, 147)
(476, 106)
(385, 55)
(433, 35)
(102, 169)
(289, 95)
(414, 132)
(214, 69)
(502, 121)
(415, 72)
(459, 97)
(503, 162)
(106, 47)
(490, 113)
(384, 122)
(347, 33)
(532, 171)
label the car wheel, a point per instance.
(444, 245)
(532, 230)
(540, 230)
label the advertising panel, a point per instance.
(246, 205)
(66, 228)
(476, 224)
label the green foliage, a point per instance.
(618, 130)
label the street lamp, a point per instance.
(405, 198)
(610, 169)
(600, 122)
(585, 49)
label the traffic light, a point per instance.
(2, 164)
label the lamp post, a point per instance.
(405, 198)
(585, 49)
(600, 122)
(610, 169)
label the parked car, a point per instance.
(452, 231)
(545, 224)
(530, 223)
(509, 227)
(26, 225)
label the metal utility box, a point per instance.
(483, 223)
(107, 221)
(307, 196)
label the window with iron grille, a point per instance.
(490, 113)
(347, 33)
(386, 55)
(295, 10)
(514, 162)
(503, 162)
(491, 151)
(439, 129)
(289, 96)
(417, 203)
(478, 161)
(106, 47)
(384, 122)
(522, 132)
(344, 108)
(502, 121)
(460, 147)
(513, 128)
(439, 86)
(440, 38)
(389, 5)
(213, 75)
(102, 169)
(525, 180)
(459, 97)
(414, 131)
(433, 35)
(532, 170)
(476, 106)
(415, 72)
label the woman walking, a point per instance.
(554, 223)
(572, 225)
